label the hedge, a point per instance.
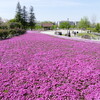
(8, 33)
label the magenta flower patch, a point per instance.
(35, 66)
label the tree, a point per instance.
(64, 25)
(1, 21)
(54, 27)
(93, 21)
(24, 17)
(13, 25)
(37, 27)
(97, 28)
(31, 18)
(73, 26)
(3, 25)
(11, 20)
(18, 15)
(84, 23)
(47, 22)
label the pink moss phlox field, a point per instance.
(36, 66)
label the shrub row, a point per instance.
(8, 33)
(87, 35)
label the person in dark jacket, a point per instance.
(69, 34)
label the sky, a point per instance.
(54, 10)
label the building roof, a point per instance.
(47, 24)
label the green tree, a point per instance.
(97, 28)
(37, 27)
(73, 26)
(11, 20)
(54, 27)
(1, 21)
(47, 22)
(64, 25)
(24, 18)
(93, 21)
(18, 15)
(31, 18)
(13, 25)
(84, 23)
(3, 25)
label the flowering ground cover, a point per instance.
(36, 66)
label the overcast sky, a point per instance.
(54, 10)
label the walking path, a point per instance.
(72, 38)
